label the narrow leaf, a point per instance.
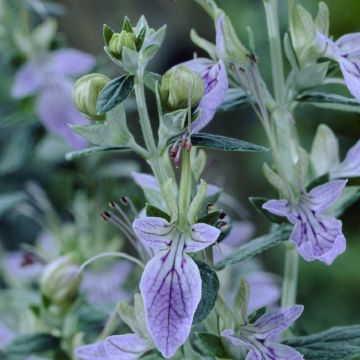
(107, 33)
(210, 344)
(94, 150)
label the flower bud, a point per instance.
(60, 281)
(86, 93)
(119, 41)
(177, 84)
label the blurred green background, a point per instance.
(330, 294)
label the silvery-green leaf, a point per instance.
(114, 93)
(311, 75)
(197, 202)
(324, 151)
(94, 150)
(240, 305)
(322, 19)
(290, 54)
(130, 61)
(128, 316)
(350, 195)
(274, 179)
(43, 34)
(198, 163)
(209, 292)
(150, 80)
(140, 315)
(224, 313)
(234, 99)
(107, 34)
(256, 246)
(127, 25)
(112, 58)
(203, 44)
(302, 168)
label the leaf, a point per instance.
(234, 99)
(28, 344)
(330, 101)
(240, 305)
(350, 195)
(94, 150)
(107, 34)
(256, 246)
(219, 142)
(210, 344)
(150, 80)
(112, 132)
(10, 200)
(153, 211)
(114, 93)
(258, 202)
(209, 292)
(337, 343)
(211, 218)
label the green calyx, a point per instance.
(122, 40)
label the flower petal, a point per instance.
(220, 38)
(322, 196)
(171, 289)
(351, 72)
(274, 351)
(349, 44)
(154, 232)
(216, 86)
(56, 111)
(350, 167)
(202, 236)
(145, 181)
(71, 62)
(255, 354)
(230, 335)
(92, 352)
(240, 232)
(126, 347)
(28, 80)
(272, 324)
(278, 207)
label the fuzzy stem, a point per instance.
(185, 188)
(291, 270)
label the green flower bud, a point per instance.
(177, 84)
(86, 93)
(60, 281)
(119, 41)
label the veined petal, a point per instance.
(272, 324)
(254, 354)
(199, 65)
(56, 111)
(278, 207)
(322, 196)
(216, 86)
(351, 72)
(349, 44)
(201, 236)
(273, 351)
(71, 62)
(350, 167)
(220, 38)
(230, 335)
(92, 352)
(154, 232)
(145, 181)
(126, 347)
(171, 289)
(327, 48)
(28, 80)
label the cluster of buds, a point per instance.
(122, 40)
(86, 93)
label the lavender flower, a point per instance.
(116, 347)
(49, 78)
(346, 51)
(261, 338)
(171, 284)
(350, 167)
(317, 236)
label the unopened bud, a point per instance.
(60, 281)
(177, 85)
(86, 93)
(119, 41)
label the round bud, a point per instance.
(119, 41)
(178, 84)
(60, 281)
(86, 93)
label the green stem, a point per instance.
(277, 66)
(185, 188)
(291, 270)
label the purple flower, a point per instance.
(171, 284)
(261, 338)
(106, 286)
(49, 78)
(346, 51)
(116, 347)
(350, 167)
(216, 85)
(317, 236)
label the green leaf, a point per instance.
(210, 344)
(114, 93)
(240, 305)
(338, 343)
(140, 38)
(258, 202)
(211, 218)
(107, 34)
(10, 200)
(330, 101)
(34, 343)
(234, 99)
(350, 195)
(256, 314)
(150, 80)
(127, 25)
(256, 246)
(152, 210)
(94, 150)
(209, 292)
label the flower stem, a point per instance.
(185, 188)
(291, 270)
(271, 10)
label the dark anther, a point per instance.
(124, 200)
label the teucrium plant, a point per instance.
(176, 234)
